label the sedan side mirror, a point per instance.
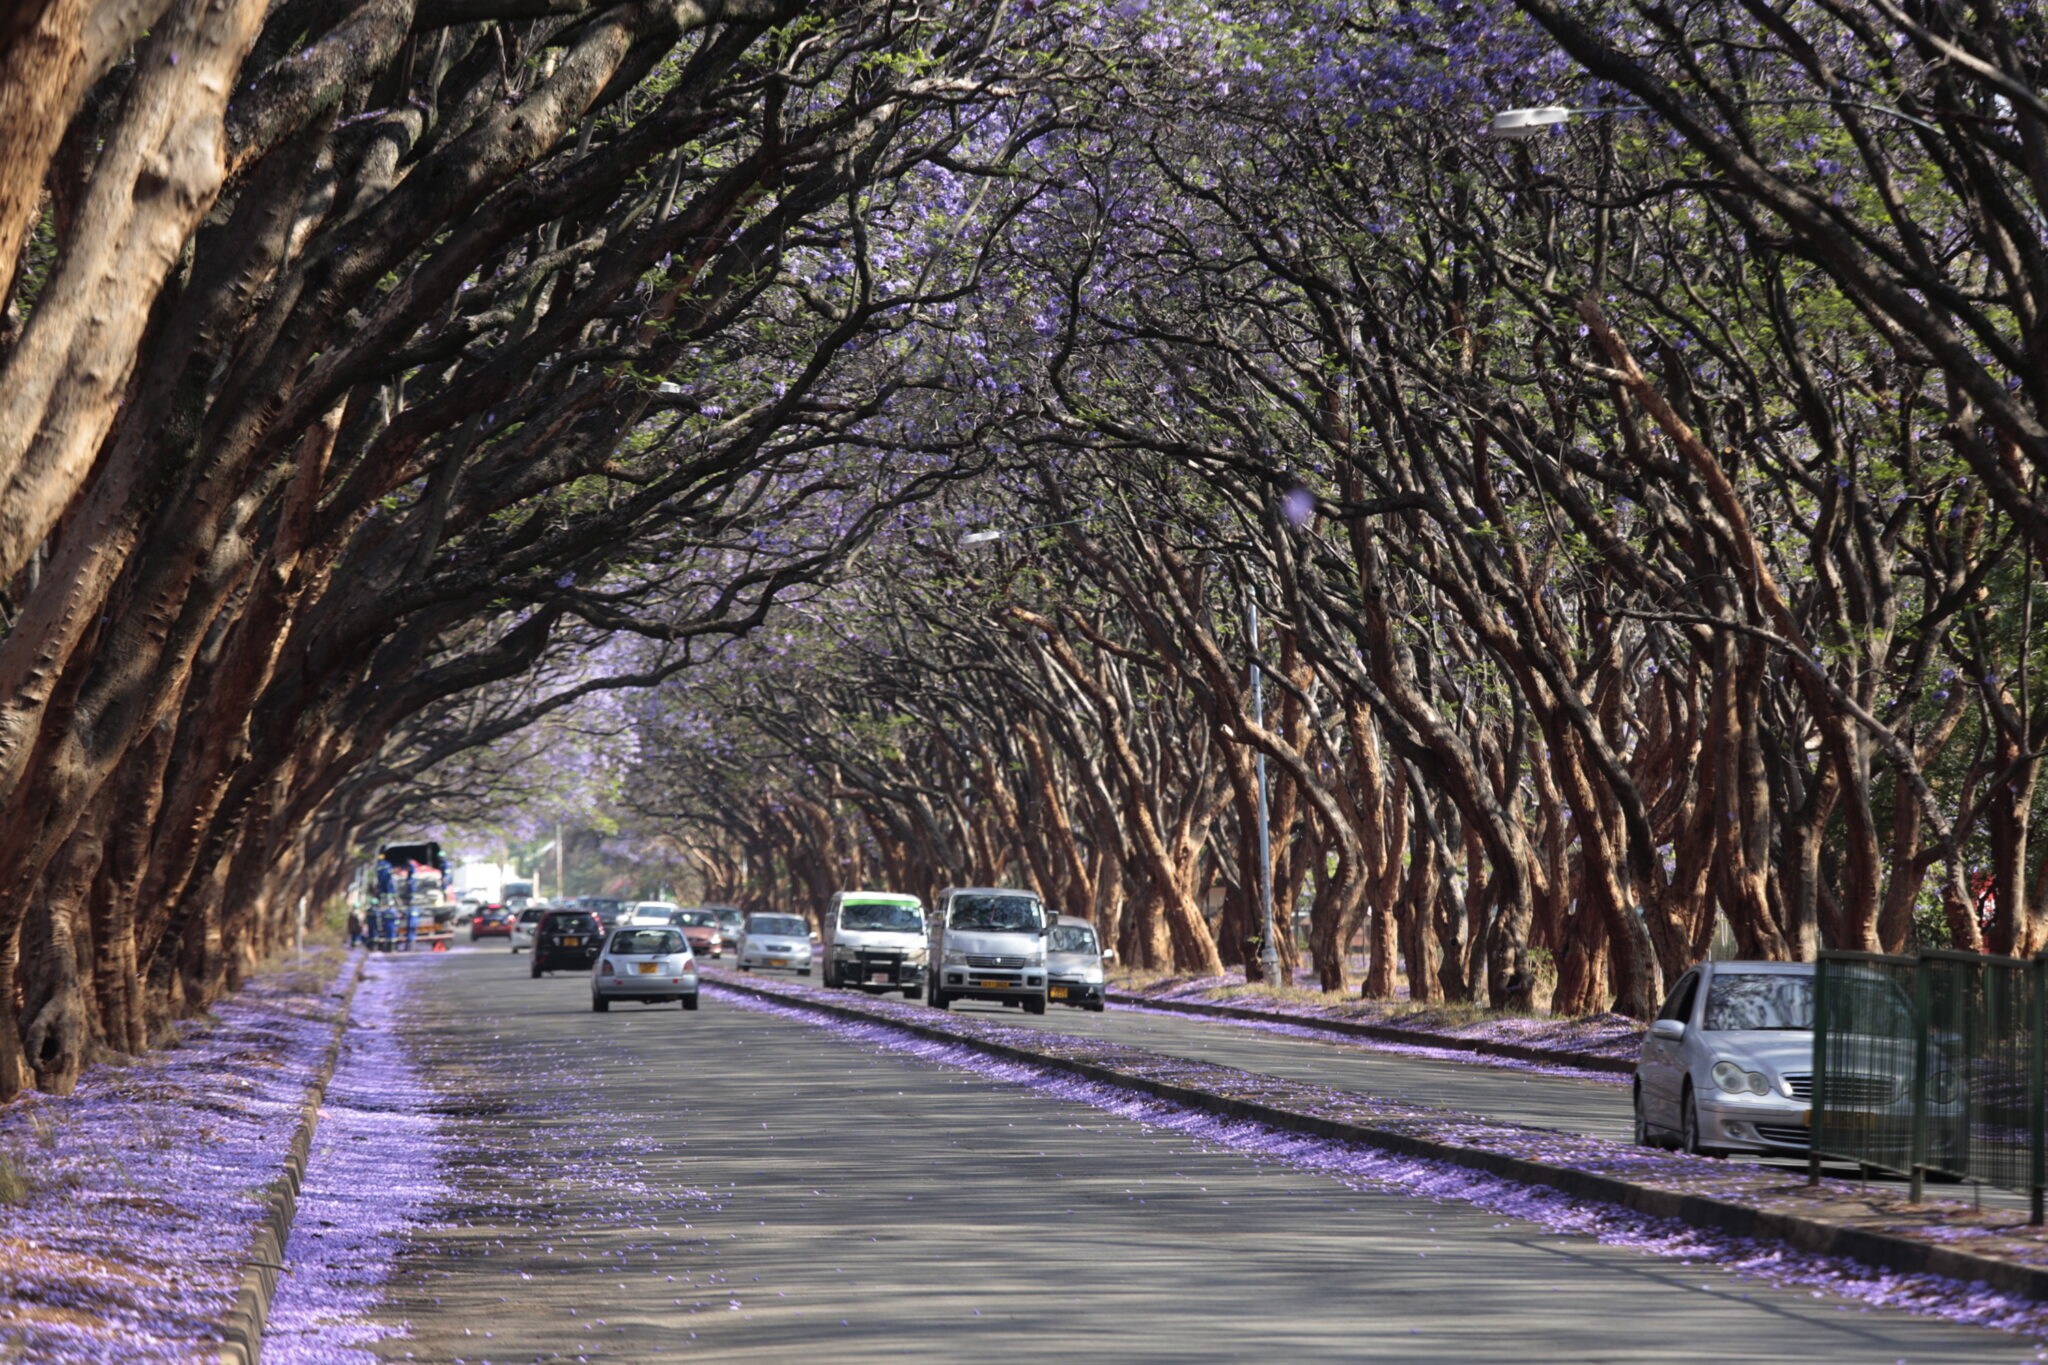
(1109, 954)
(1670, 1030)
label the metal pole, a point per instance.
(561, 885)
(1269, 952)
(2037, 1091)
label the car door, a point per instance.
(1662, 1069)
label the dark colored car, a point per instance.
(606, 908)
(566, 941)
(490, 921)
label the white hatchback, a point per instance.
(651, 965)
(779, 941)
(646, 914)
(524, 927)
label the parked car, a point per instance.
(730, 921)
(525, 924)
(988, 943)
(651, 965)
(1727, 1066)
(566, 940)
(874, 939)
(1073, 964)
(775, 941)
(641, 914)
(701, 928)
(492, 921)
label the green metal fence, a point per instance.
(1932, 1066)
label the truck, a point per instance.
(412, 907)
(480, 883)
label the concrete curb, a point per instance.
(242, 1331)
(1871, 1247)
(1580, 1061)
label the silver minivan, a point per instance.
(875, 940)
(988, 943)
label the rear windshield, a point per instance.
(1071, 938)
(1775, 1001)
(995, 913)
(530, 916)
(695, 919)
(570, 924)
(881, 916)
(778, 924)
(647, 942)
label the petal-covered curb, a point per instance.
(1571, 1066)
(242, 1334)
(1556, 1042)
(135, 1209)
(1833, 1219)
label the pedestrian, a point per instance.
(356, 936)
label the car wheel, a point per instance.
(941, 1000)
(1035, 1006)
(1645, 1137)
(910, 992)
(689, 1002)
(1689, 1125)
(598, 1004)
(536, 969)
(803, 971)
(1095, 1007)
(745, 968)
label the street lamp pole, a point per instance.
(1269, 945)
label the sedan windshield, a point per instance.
(647, 942)
(879, 915)
(1759, 1001)
(999, 914)
(1071, 938)
(778, 924)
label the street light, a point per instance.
(1269, 952)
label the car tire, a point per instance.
(1035, 1006)
(1645, 1135)
(940, 1000)
(910, 992)
(689, 1002)
(1689, 1126)
(599, 1005)
(536, 969)
(1095, 1007)
(803, 971)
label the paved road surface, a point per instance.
(788, 1196)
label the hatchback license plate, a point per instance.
(778, 962)
(648, 968)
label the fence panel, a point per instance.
(1932, 1065)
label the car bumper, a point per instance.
(879, 972)
(1074, 992)
(644, 987)
(764, 963)
(990, 983)
(565, 959)
(1758, 1127)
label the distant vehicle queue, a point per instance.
(976, 943)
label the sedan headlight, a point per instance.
(1736, 1081)
(1943, 1087)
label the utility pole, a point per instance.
(561, 886)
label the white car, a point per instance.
(653, 966)
(775, 941)
(524, 926)
(646, 914)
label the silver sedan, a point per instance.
(1728, 1062)
(652, 966)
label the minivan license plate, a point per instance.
(1057, 992)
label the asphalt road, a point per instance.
(728, 1185)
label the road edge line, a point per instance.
(1863, 1245)
(242, 1331)
(1486, 1047)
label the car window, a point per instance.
(778, 924)
(695, 919)
(890, 916)
(531, 916)
(1679, 1005)
(998, 914)
(646, 942)
(1071, 938)
(1759, 1000)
